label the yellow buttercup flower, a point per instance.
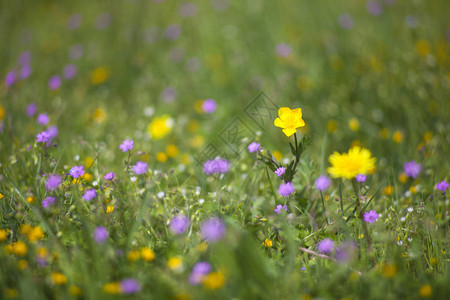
(289, 120)
(348, 165)
(160, 127)
(59, 278)
(214, 280)
(267, 243)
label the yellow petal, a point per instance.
(279, 123)
(283, 112)
(289, 131)
(297, 112)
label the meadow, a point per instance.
(224, 149)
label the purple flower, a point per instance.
(140, 168)
(253, 147)
(361, 178)
(77, 171)
(42, 137)
(74, 21)
(411, 21)
(179, 224)
(76, 51)
(69, 71)
(199, 270)
(52, 132)
(10, 78)
(213, 230)
(173, 32)
(49, 201)
(286, 189)
(325, 246)
(126, 145)
(43, 119)
(24, 58)
(442, 186)
(280, 171)
(168, 94)
(31, 109)
(54, 82)
(25, 72)
(345, 252)
(109, 176)
(53, 182)
(129, 286)
(100, 235)
(412, 169)
(188, 9)
(216, 166)
(280, 208)
(322, 183)
(103, 20)
(374, 8)
(89, 195)
(370, 216)
(346, 21)
(283, 50)
(209, 106)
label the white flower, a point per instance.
(410, 209)
(133, 178)
(201, 201)
(402, 219)
(160, 195)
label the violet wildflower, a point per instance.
(103, 20)
(31, 109)
(179, 224)
(253, 147)
(283, 50)
(370, 216)
(54, 82)
(53, 182)
(286, 189)
(89, 194)
(140, 168)
(69, 71)
(188, 9)
(442, 186)
(77, 171)
(325, 246)
(52, 132)
(100, 235)
(76, 51)
(346, 21)
(24, 58)
(49, 201)
(129, 286)
(280, 171)
(42, 137)
(199, 270)
(209, 106)
(374, 8)
(216, 166)
(126, 145)
(280, 208)
(213, 230)
(74, 21)
(10, 78)
(168, 94)
(173, 32)
(346, 251)
(25, 72)
(361, 178)
(43, 119)
(322, 183)
(109, 176)
(412, 169)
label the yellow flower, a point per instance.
(30, 199)
(214, 280)
(1, 196)
(147, 254)
(403, 178)
(111, 288)
(133, 255)
(109, 209)
(388, 190)
(332, 126)
(99, 115)
(289, 120)
(384, 132)
(353, 124)
(59, 278)
(172, 150)
(348, 165)
(267, 243)
(19, 248)
(75, 291)
(425, 291)
(3, 235)
(25, 228)
(161, 157)
(99, 75)
(35, 234)
(397, 137)
(2, 113)
(202, 247)
(423, 47)
(390, 271)
(22, 264)
(277, 154)
(160, 127)
(175, 263)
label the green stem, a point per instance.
(324, 211)
(360, 214)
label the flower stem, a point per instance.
(324, 211)
(360, 214)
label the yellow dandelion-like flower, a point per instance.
(133, 255)
(348, 165)
(161, 157)
(100, 75)
(35, 234)
(426, 291)
(289, 120)
(3, 235)
(214, 280)
(59, 278)
(109, 209)
(175, 263)
(353, 124)
(267, 243)
(172, 150)
(75, 291)
(160, 127)
(111, 288)
(147, 254)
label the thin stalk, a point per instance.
(323, 206)
(360, 214)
